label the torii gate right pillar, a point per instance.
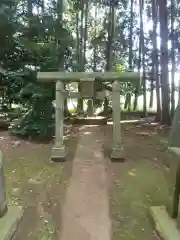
(117, 148)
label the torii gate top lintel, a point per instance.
(47, 77)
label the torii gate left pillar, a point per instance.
(59, 151)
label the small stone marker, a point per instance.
(3, 204)
(9, 216)
(174, 143)
(165, 226)
(9, 222)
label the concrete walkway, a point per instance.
(85, 214)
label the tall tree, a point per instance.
(131, 37)
(173, 12)
(155, 61)
(90, 101)
(81, 48)
(109, 46)
(142, 46)
(163, 17)
(130, 61)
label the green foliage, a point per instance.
(37, 122)
(34, 38)
(28, 44)
(38, 119)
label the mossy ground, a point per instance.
(145, 179)
(37, 185)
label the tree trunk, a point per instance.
(172, 58)
(61, 56)
(155, 61)
(81, 56)
(179, 92)
(163, 16)
(90, 102)
(141, 6)
(151, 95)
(131, 38)
(109, 49)
(158, 98)
(127, 103)
(30, 15)
(106, 104)
(95, 47)
(139, 69)
(128, 95)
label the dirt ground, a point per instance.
(144, 179)
(36, 184)
(85, 213)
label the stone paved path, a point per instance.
(85, 214)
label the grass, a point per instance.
(36, 185)
(138, 184)
(138, 188)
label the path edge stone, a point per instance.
(175, 150)
(164, 226)
(10, 221)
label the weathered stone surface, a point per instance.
(164, 225)
(3, 204)
(175, 150)
(117, 151)
(175, 132)
(118, 154)
(88, 120)
(87, 79)
(59, 151)
(174, 140)
(16, 143)
(59, 154)
(133, 77)
(87, 88)
(9, 222)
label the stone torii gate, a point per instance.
(88, 91)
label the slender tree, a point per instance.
(155, 61)
(172, 58)
(163, 17)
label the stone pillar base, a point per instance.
(3, 208)
(176, 150)
(9, 222)
(118, 154)
(164, 225)
(59, 154)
